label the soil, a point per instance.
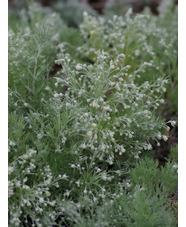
(56, 68)
(162, 152)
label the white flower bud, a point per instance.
(89, 133)
(78, 67)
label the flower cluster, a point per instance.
(138, 38)
(25, 196)
(82, 134)
(115, 116)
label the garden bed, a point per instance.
(92, 117)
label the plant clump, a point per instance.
(85, 113)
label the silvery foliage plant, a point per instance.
(74, 138)
(115, 118)
(149, 43)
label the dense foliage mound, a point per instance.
(85, 111)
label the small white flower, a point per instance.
(91, 32)
(137, 53)
(41, 200)
(31, 152)
(159, 135)
(117, 124)
(10, 169)
(56, 95)
(136, 156)
(123, 150)
(64, 177)
(121, 56)
(175, 166)
(112, 67)
(95, 105)
(129, 120)
(26, 104)
(48, 194)
(78, 67)
(93, 125)
(72, 166)
(85, 14)
(26, 187)
(12, 143)
(104, 137)
(149, 146)
(104, 177)
(39, 136)
(78, 183)
(103, 147)
(165, 138)
(89, 133)
(173, 123)
(98, 170)
(114, 17)
(117, 87)
(67, 193)
(106, 108)
(83, 146)
(127, 185)
(10, 193)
